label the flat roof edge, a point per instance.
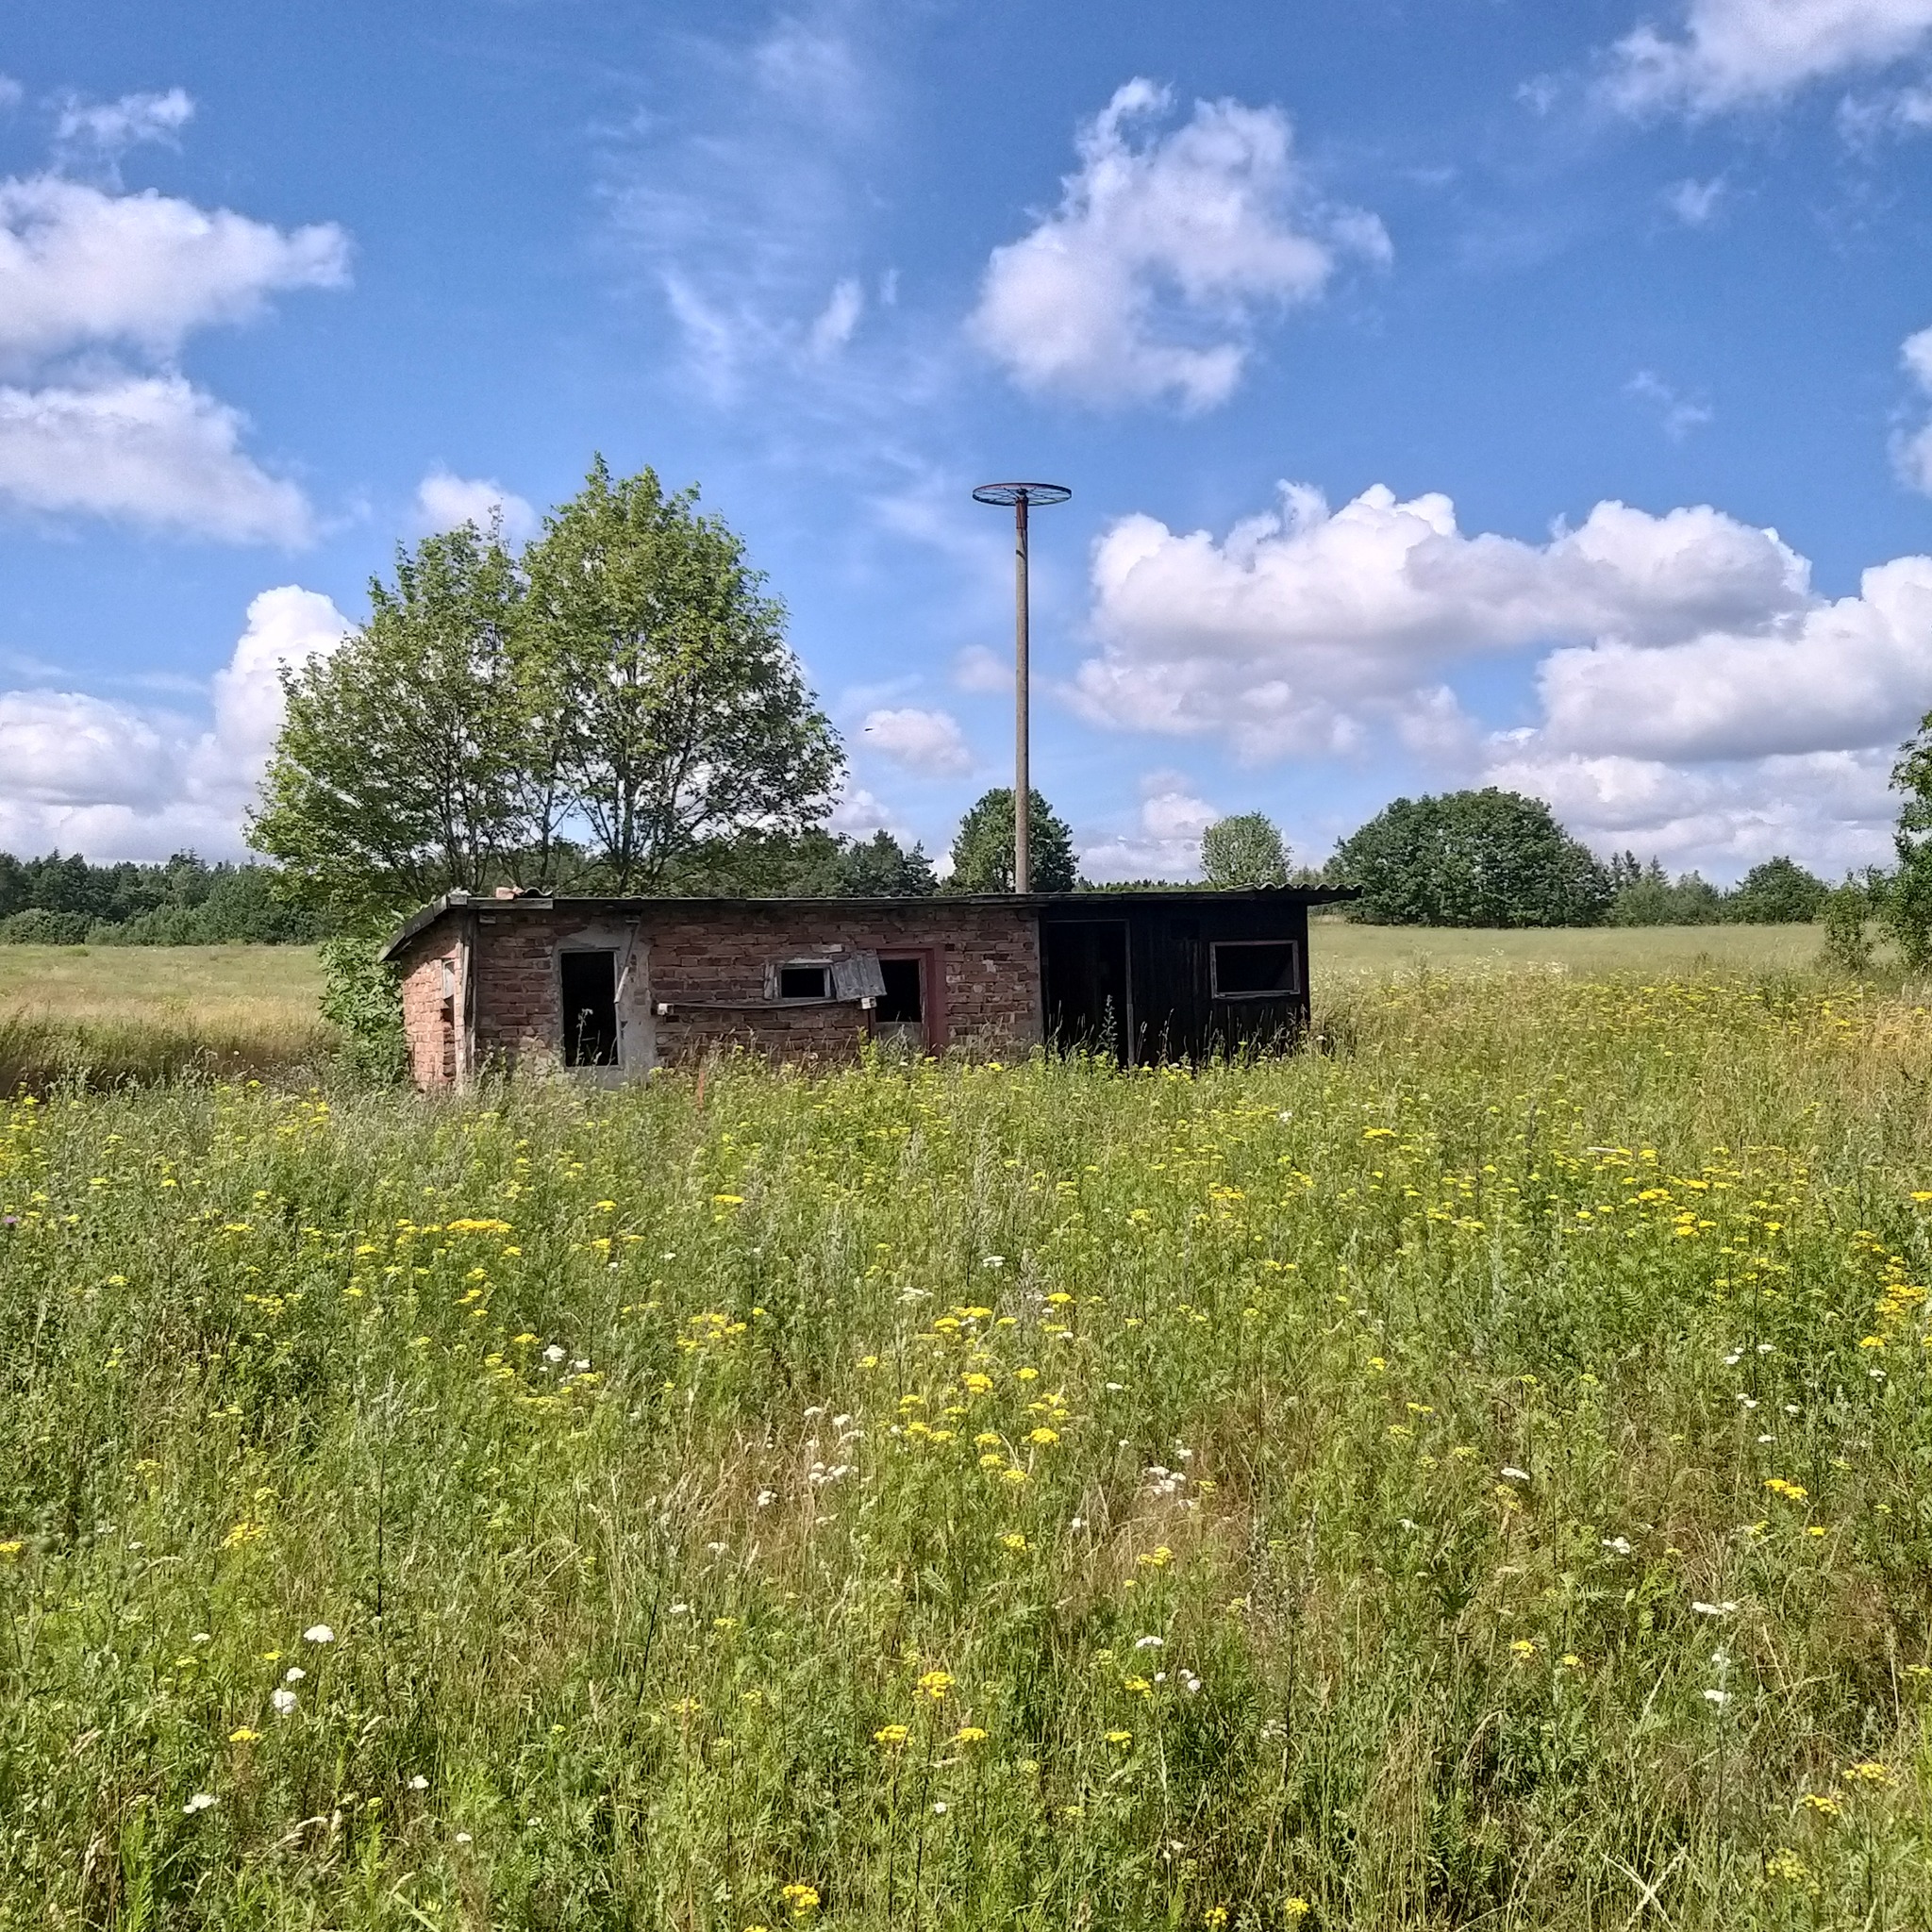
(427, 916)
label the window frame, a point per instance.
(1292, 991)
(823, 967)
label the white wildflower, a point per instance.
(1723, 1609)
(1717, 1697)
(318, 1633)
(1621, 1544)
(1511, 1474)
(284, 1701)
(766, 1498)
(200, 1802)
(1149, 1642)
(294, 1675)
(419, 1783)
(553, 1355)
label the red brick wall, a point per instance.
(429, 1016)
(982, 978)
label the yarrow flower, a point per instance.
(284, 1701)
(318, 1633)
(199, 1802)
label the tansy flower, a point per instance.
(243, 1735)
(1120, 1737)
(800, 1900)
(969, 1734)
(890, 1736)
(935, 1684)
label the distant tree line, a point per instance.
(1492, 858)
(66, 901)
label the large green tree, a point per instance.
(1485, 859)
(1777, 892)
(663, 679)
(614, 707)
(1906, 903)
(1245, 850)
(983, 846)
(403, 766)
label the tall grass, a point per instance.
(41, 1051)
(1482, 1477)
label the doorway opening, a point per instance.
(588, 983)
(900, 1014)
(1089, 1003)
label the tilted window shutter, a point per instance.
(857, 976)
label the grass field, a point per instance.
(109, 1013)
(1479, 1477)
(1345, 954)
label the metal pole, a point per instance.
(1023, 780)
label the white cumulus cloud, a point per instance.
(1145, 282)
(928, 742)
(81, 267)
(1726, 54)
(443, 500)
(1301, 623)
(115, 780)
(149, 450)
(85, 271)
(1833, 810)
(1696, 696)
(1165, 840)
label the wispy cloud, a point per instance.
(1678, 413)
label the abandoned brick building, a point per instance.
(616, 986)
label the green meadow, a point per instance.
(1478, 1474)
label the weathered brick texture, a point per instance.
(981, 978)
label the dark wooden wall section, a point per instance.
(1171, 1010)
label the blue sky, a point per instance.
(1431, 375)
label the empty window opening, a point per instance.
(590, 1009)
(1255, 969)
(805, 980)
(901, 1002)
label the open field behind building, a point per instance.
(110, 1013)
(1479, 1476)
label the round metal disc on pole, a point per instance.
(1019, 498)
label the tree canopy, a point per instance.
(1777, 892)
(1906, 906)
(1479, 858)
(1245, 850)
(613, 705)
(983, 846)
